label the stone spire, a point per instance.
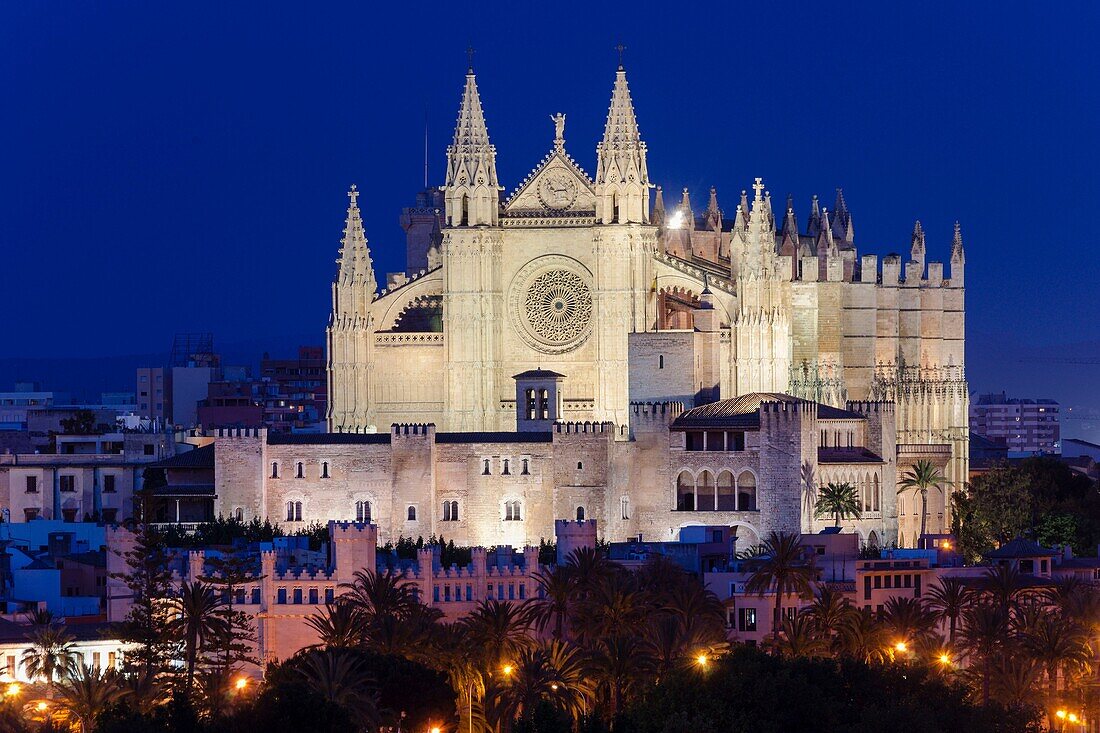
(743, 207)
(842, 218)
(356, 267)
(826, 244)
(713, 213)
(687, 215)
(958, 257)
(622, 179)
(658, 216)
(813, 226)
(790, 222)
(917, 249)
(472, 189)
(760, 248)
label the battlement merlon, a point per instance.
(412, 430)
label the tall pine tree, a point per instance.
(149, 580)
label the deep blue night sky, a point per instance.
(180, 170)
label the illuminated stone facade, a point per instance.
(633, 302)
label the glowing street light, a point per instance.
(701, 660)
(41, 706)
(1061, 714)
(902, 647)
(435, 729)
(507, 670)
(1073, 717)
(945, 660)
(13, 689)
(241, 683)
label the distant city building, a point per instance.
(230, 404)
(91, 477)
(17, 404)
(153, 390)
(294, 391)
(1023, 425)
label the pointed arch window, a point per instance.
(450, 511)
(526, 467)
(513, 511)
(362, 511)
(324, 469)
(411, 513)
(294, 511)
(274, 469)
(506, 471)
(299, 470)
(485, 467)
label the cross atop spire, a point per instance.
(620, 48)
(469, 59)
(353, 194)
(758, 187)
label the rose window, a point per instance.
(557, 308)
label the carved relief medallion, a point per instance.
(557, 190)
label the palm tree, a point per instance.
(380, 594)
(802, 637)
(340, 626)
(1004, 588)
(829, 610)
(88, 692)
(1057, 645)
(908, 619)
(340, 677)
(553, 673)
(197, 617)
(985, 628)
(862, 637)
(141, 690)
(619, 664)
(554, 601)
(408, 637)
(614, 603)
(923, 476)
(784, 569)
(51, 653)
(840, 501)
(1015, 680)
(498, 631)
(948, 599)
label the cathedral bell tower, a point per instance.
(472, 245)
(622, 179)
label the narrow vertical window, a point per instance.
(274, 470)
(531, 405)
(624, 507)
(580, 514)
(526, 468)
(544, 404)
(412, 514)
(299, 470)
(297, 511)
(661, 361)
(506, 472)
(454, 511)
(324, 469)
(485, 469)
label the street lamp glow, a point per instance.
(554, 686)
(1073, 717)
(507, 669)
(13, 689)
(42, 705)
(1061, 714)
(701, 660)
(902, 647)
(435, 729)
(241, 683)
(945, 659)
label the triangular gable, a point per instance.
(556, 186)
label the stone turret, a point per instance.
(570, 536)
(350, 325)
(622, 179)
(472, 191)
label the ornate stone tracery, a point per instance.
(551, 305)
